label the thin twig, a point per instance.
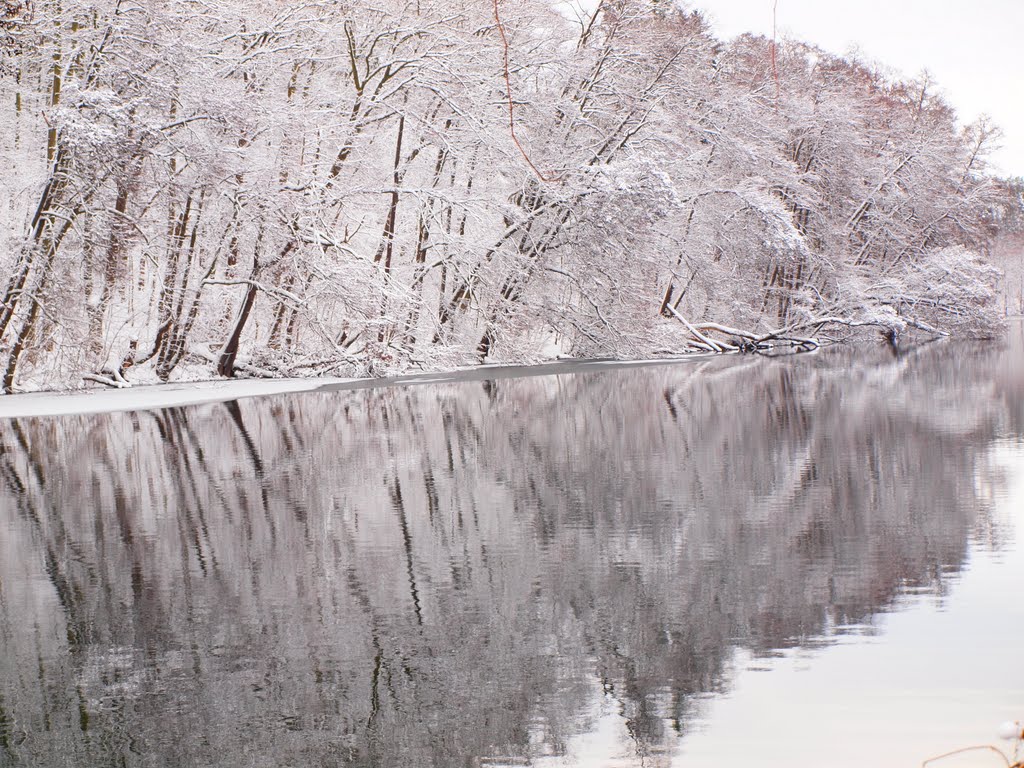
(511, 104)
(968, 749)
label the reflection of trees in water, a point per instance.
(400, 576)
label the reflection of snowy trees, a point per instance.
(416, 575)
(334, 188)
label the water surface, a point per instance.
(803, 560)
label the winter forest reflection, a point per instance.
(451, 573)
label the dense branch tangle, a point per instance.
(312, 189)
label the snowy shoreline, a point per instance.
(146, 397)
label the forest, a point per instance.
(259, 188)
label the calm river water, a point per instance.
(809, 560)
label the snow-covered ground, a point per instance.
(151, 396)
(146, 397)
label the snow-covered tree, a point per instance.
(226, 187)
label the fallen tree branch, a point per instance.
(707, 341)
(751, 340)
(725, 329)
(924, 327)
(783, 335)
(105, 380)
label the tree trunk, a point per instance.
(226, 361)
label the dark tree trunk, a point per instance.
(226, 362)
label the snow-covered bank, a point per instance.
(153, 396)
(148, 397)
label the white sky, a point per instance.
(974, 49)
